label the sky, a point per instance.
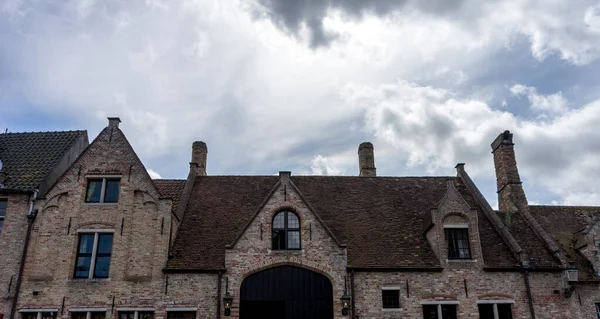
(274, 85)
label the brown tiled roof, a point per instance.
(564, 224)
(170, 188)
(382, 220)
(533, 246)
(219, 208)
(28, 158)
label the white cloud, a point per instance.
(321, 165)
(552, 103)
(153, 174)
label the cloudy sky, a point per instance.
(295, 85)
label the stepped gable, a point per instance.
(28, 158)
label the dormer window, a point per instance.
(286, 231)
(102, 190)
(457, 240)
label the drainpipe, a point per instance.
(218, 296)
(30, 219)
(529, 296)
(352, 292)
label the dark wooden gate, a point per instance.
(286, 292)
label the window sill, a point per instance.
(99, 204)
(392, 309)
(88, 280)
(283, 251)
(461, 260)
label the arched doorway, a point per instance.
(286, 292)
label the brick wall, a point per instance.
(12, 241)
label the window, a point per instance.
(102, 190)
(439, 311)
(286, 231)
(390, 298)
(495, 310)
(181, 314)
(598, 310)
(35, 314)
(3, 203)
(97, 314)
(93, 255)
(136, 314)
(457, 240)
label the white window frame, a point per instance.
(39, 311)
(135, 311)
(495, 303)
(439, 304)
(96, 232)
(89, 311)
(103, 188)
(399, 298)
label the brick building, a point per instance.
(110, 242)
(30, 163)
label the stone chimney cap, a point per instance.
(505, 138)
(365, 145)
(114, 121)
(199, 145)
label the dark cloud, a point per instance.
(292, 15)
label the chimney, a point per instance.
(198, 163)
(114, 122)
(510, 190)
(366, 160)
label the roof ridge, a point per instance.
(42, 132)
(566, 206)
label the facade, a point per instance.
(29, 164)
(110, 242)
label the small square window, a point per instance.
(434, 311)
(136, 314)
(390, 298)
(93, 255)
(181, 315)
(102, 190)
(3, 204)
(457, 240)
(495, 311)
(598, 310)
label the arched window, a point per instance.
(286, 231)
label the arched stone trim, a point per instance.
(53, 201)
(96, 224)
(286, 207)
(262, 267)
(495, 296)
(146, 196)
(438, 297)
(457, 214)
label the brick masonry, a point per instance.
(140, 252)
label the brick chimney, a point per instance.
(366, 160)
(509, 185)
(198, 163)
(114, 122)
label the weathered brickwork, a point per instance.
(252, 252)
(12, 240)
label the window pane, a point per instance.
(1, 224)
(111, 194)
(78, 315)
(181, 315)
(29, 315)
(82, 268)
(94, 189)
(504, 311)
(448, 311)
(293, 239)
(105, 243)
(278, 239)
(98, 315)
(101, 267)
(3, 204)
(145, 314)
(486, 311)
(48, 315)
(86, 243)
(126, 314)
(293, 222)
(390, 298)
(278, 221)
(430, 312)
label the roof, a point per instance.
(564, 224)
(219, 208)
(170, 188)
(28, 158)
(382, 220)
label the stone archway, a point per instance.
(286, 292)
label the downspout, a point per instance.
(30, 219)
(218, 295)
(352, 292)
(529, 296)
